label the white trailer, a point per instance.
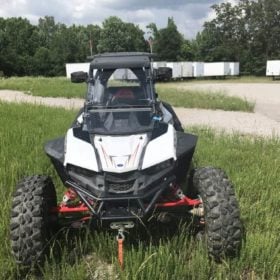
(123, 74)
(120, 74)
(157, 64)
(131, 75)
(216, 69)
(234, 68)
(176, 69)
(187, 70)
(273, 68)
(197, 69)
(75, 67)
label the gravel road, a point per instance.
(265, 121)
(266, 96)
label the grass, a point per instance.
(253, 164)
(47, 87)
(189, 98)
(61, 87)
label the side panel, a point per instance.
(187, 69)
(273, 68)
(185, 148)
(198, 69)
(185, 143)
(160, 149)
(79, 153)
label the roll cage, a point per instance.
(137, 91)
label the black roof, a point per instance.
(121, 60)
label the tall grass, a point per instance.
(48, 87)
(165, 252)
(61, 87)
(190, 98)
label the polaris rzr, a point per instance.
(124, 160)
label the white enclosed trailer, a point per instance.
(75, 67)
(234, 68)
(157, 64)
(216, 69)
(273, 68)
(187, 70)
(131, 75)
(120, 74)
(176, 69)
(197, 69)
(123, 74)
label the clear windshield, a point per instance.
(120, 121)
(120, 102)
(119, 88)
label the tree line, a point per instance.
(247, 32)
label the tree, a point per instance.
(18, 45)
(118, 36)
(168, 42)
(247, 32)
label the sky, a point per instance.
(189, 15)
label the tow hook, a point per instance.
(121, 227)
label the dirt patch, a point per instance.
(231, 122)
(20, 97)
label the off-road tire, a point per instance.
(223, 229)
(32, 224)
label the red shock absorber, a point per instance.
(70, 196)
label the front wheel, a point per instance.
(222, 228)
(32, 222)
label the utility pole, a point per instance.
(150, 41)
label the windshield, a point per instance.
(120, 101)
(119, 121)
(119, 88)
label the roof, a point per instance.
(121, 60)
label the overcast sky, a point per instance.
(189, 15)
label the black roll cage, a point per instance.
(107, 63)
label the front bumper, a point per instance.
(120, 196)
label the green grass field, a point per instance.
(253, 164)
(61, 87)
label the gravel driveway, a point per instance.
(264, 122)
(265, 95)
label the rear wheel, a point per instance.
(32, 223)
(222, 228)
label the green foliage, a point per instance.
(168, 42)
(118, 36)
(169, 252)
(246, 32)
(17, 46)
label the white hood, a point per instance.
(120, 153)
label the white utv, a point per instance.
(124, 159)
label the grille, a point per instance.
(119, 188)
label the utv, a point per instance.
(124, 160)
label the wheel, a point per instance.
(32, 224)
(222, 228)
